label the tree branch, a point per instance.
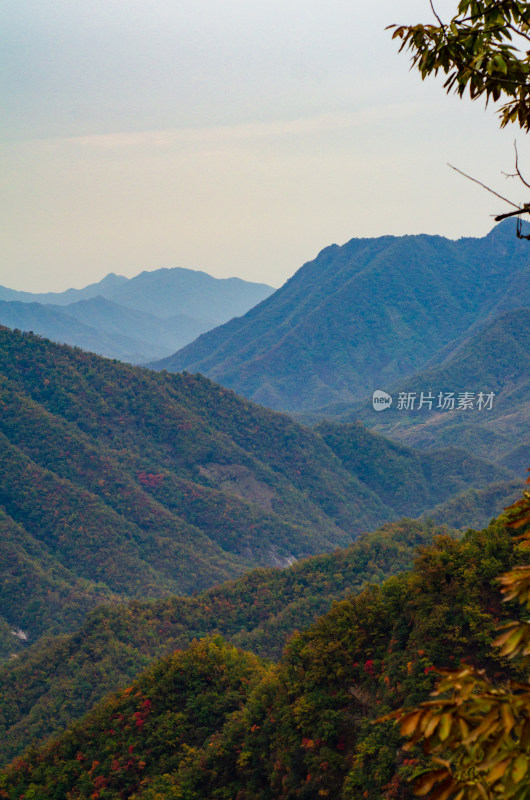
(517, 165)
(519, 210)
(436, 15)
(524, 210)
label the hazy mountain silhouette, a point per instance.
(137, 319)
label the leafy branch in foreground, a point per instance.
(478, 732)
(484, 49)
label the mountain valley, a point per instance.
(204, 598)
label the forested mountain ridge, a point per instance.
(410, 480)
(361, 316)
(137, 319)
(476, 505)
(120, 482)
(56, 681)
(213, 722)
(138, 484)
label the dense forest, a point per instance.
(496, 356)
(57, 680)
(117, 482)
(141, 493)
(213, 721)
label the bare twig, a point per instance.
(519, 210)
(436, 15)
(517, 165)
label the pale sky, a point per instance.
(239, 137)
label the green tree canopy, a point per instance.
(476, 729)
(484, 49)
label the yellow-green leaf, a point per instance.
(431, 725)
(507, 717)
(519, 768)
(409, 723)
(445, 726)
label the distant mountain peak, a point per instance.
(112, 277)
(133, 319)
(360, 316)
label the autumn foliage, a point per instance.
(478, 729)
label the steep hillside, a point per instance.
(117, 482)
(56, 681)
(410, 480)
(470, 508)
(140, 484)
(39, 594)
(496, 359)
(214, 722)
(361, 316)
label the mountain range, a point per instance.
(136, 319)
(363, 316)
(153, 523)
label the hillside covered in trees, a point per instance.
(212, 721)
(117, 482)
(57, 680)
(496, 358)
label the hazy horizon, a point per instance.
(237, 139)
(121, 275)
